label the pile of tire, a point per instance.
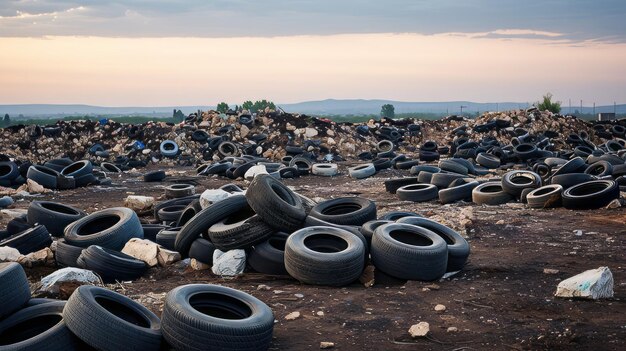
(63, 174)
(95, 318)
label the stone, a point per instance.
(167, 257)
(452, 329)
(142, 249)
(320, 313)
(6, 201)
(254, 171)
(419, 330)
(440, 308)
(18, 212)
(327, 345)
(550, 271)
(211, 196)
(367, 278)
(139, 203)
(614, 204)
(43, 257)
(592, 284)
(35, 188)
(293, 315)
(230, 263)
(310, 132)
(197, 265)
(9, 254)
(244, 131)
(66, 279)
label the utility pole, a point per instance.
(497, 107)
(462, 107)
(614, 108)
(594, 108)
(581, 106)
(570, 106)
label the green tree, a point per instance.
(178, 115)
(247, 105)
(262, 105)
(547, 104)
(7, 119)
(388, 111)
(222, 107)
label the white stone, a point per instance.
(142, 249)
(167, 257)
(197, 265)
(254, 171)
(211, 196)
(592, 284)
(310, 132)
(230, 263)
(9, 254)
(419, 330)
(293, 315)
(440, 308)
(42, 257)
(52, 282)
(327, 345)
(139, 203)
(18, 212)
(452, 330)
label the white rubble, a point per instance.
(51, 283)
(229, 263)
(592, 284)
(139, 203)
(142, 249)
(9, 254)
(254, 171)
(420, 329)
(211, 196)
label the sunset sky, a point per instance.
(156, 53)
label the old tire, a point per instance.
(240, 229)
(268, 257)
(30, 240)
(490, 193)
(345, 211)
(202, 250)
(111, 265)
(110, 228)
(417, 192)
(66, 254)
(276, 204)
(14, 290)
(54, 216)
(545, 196)
(591, 195)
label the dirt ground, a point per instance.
(502, 300)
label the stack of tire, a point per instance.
(63, 174)
(12, 173)
(101, 319)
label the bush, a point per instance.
(547, 104)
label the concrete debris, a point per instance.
(592, 284)
(419, 330)
(293, 315)
(138, 203)
(53, 283)
(230, 263)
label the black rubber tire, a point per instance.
(109, 167)
(415, 170)
(368, 228)
(574, 165)
(167, 238)
(453, 167)
(8, 171)
(443, 180)
(570, 179)
(85, 179)
(66, 255)
(490, 193)
(324, 256)
(417, 192)
(170, 214)
(240, 171)
(381, 163)
(14, 290)
(226, 149)
(188, 213)
(458, 192)
(425, 177)
(78, 169)
(111, 265)
(180, 201)
(39, 301)
(424, 257)
(150, 230)
(154, 176)
(202, 250)
(362, 171)
(109, 321)
(515, 181)
(268, 257)
(302, 164)
(38, 327)
(18, 225)
(66, 182)
(458, 247)
(110, 228)
(53, 215)
(276, 204)
(523, 198)
(58, 163)
(288, 172)
(600, 169)
(406, 164)
(395, 215)
(392, 185)
(44, 176)
(30, 240)
(591, 195)
(487, 160)
(345, 210)
(241, 229)
(232, 319)
(176, 191)
(202, 221)
(545, 196)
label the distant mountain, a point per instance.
(323, 107)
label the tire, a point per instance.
(227, 149)
(417, 192)
(487, 160)
(176, 191)
(18, 225)
(368, 228)
(545, 196)
(392, 185)
(14, 290)
(85, 180)
(381, 163)
(179, 201)
(219, 168)
(268, 257)
(524, 196)
(66, 182)
(458, 247)
(30, 240)
(110, 228)
(384, 146)
(288, 172)
(325, 169)
(39, 301)
(109, 321)
(167, 238)
(409, 252)
(490, 193)
(109, 167)
(525, 151)
(324, 256)
(428, 156)
(515, 181)
(188, 213)
(201, 316)
(170, 214)
(53, 215)
(8, 171)
(600, 169)
(66, 255)
(574, 165)
(345, 211)
(406, 164)
(425, 177)
(362, 171)
(570, 179)
(202, 221)
(78, 169)
(58, 163)
(458, 192)
(154, 176)
(591, 195)
(111, 265)
(38, 327)
(168, 148)
(276, 204)
(424, 168)
(44, 176)
(241, 170)
(443, 180)
(240, 229)
(395, 215)
(452, 166)
(150, 230)
(202, 250)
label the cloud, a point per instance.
(574, 20)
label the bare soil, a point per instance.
(502, 300)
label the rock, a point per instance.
(592, 284)
(263, 287)
(167, 257)
(9, 254)
(35, 188)
(43, 257)
(320, 313)
(550, 271)
(452, 330)
(230, 263)
(614, 204)
(211, 196)
(142, 249)
(419, 330)
(13, 213)
(66, 279)
(197, 265)
(254, 171)
(367, 277)
(244, 131)
(139, 203)
(310, 132)
(327, 345)
(293, 315)
(6, 201)
(440, 308)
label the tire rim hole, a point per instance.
(97, 225)
(341, 209)
(220, 306)
(410, 238)
(29, 328)
(58, 208)
(325, 243)
(123, 312)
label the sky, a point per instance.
(158, 53)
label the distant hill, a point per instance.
(322, 107)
